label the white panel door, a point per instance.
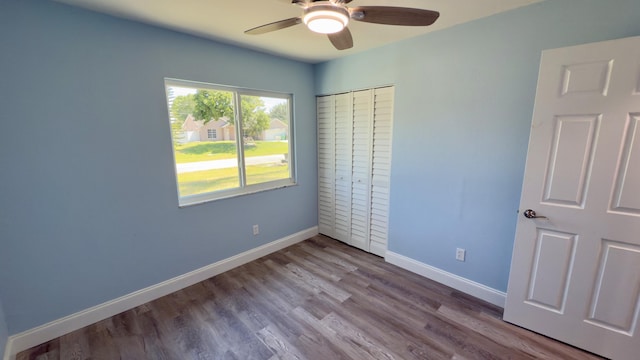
(326, 165)
(575, 272)
(361, 169)
(381, 169)
(343, 162)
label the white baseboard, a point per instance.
(465, 285)
(41, 334)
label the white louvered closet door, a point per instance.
(326, 111)
(381, 169)
(343, 164)
(361, 169)
(354, 165)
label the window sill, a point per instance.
(200, 199)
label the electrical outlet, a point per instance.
(460, 254)
(256, 229)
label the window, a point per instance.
(253, 147)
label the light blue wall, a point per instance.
(464, 101)
(89, 206)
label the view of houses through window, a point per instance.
(228, 141)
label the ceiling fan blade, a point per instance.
(341, 40)
(390, 15)
(278, 25)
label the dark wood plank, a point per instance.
(318, 299)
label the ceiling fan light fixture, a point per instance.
(327, 19)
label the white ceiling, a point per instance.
(227, 20)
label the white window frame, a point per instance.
(244, 188)
(212, 134)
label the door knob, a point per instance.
(530, 214)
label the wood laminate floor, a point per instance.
(319, 299)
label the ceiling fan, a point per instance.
(331, 17)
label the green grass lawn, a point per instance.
(219, 179)
(217, 150)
